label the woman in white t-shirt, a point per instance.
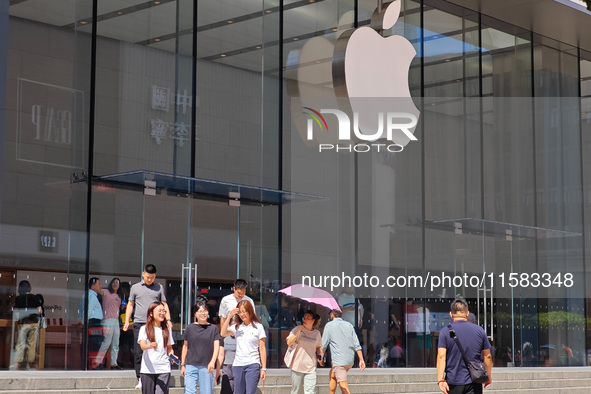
(155, 369)
(303, 364)
(251, 356)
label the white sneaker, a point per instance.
(138, 386)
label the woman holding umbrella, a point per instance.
(305, 344)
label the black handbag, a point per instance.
(475, 368)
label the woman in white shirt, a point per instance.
(251, 356)
(155, 369)
(309, 352)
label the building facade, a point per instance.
(177, 133)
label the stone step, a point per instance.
(377, 381)
(366, 389)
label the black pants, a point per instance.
(95, 340)
(155, 383)
(138, 353)
(472, 388)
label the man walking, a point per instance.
(452, 372)
(228, 350)
(341, 337)
(143, 294)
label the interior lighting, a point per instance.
(230, 21)
(223, 55)
(448, 60)
(268, 11)
(83, 22)
(120, 13)
(156, 39)
(156, 2)
(295, 38)
(258, 47)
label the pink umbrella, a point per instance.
(312, 294)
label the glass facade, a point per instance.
(171, 133)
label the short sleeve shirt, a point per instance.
(230, 302)
(473, 340)
(111, 305)
(142, 296)
(247, 343)
(155, 361)
(200, 340)
(308, 341)
(28, 303)
(229, 344)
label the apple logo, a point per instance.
(372, 72)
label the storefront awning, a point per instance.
(508, 231)
(153, 181)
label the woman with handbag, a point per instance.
(305, 349)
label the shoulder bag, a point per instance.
(475, 368)
(291, 352)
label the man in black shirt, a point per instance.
(27, 309)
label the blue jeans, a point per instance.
(246, 378)
(198, 374)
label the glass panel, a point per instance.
(559, 197)
(585, 83)
(144, 90)
(44, 111)
(452, 179)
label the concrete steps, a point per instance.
(570, 380)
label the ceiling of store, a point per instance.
(231, 31)
(564, 20)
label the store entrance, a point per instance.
(201, 236)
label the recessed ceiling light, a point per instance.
(268, 11)
(335, 29)
(223, 55)
(295, 38)
(156, 39)
(156, 2)
(120, 13)
(258, 47)
(230, 21)
(83, 22)
(448, 60)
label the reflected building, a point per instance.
(179, 134)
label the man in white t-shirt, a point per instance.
(228, 351)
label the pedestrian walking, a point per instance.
(142, 295)
(228, 349)
(452, 372)
(111, 310)
(200, 352)
(305, 350)
(155, 340)
(251, 356)
(344, 344)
